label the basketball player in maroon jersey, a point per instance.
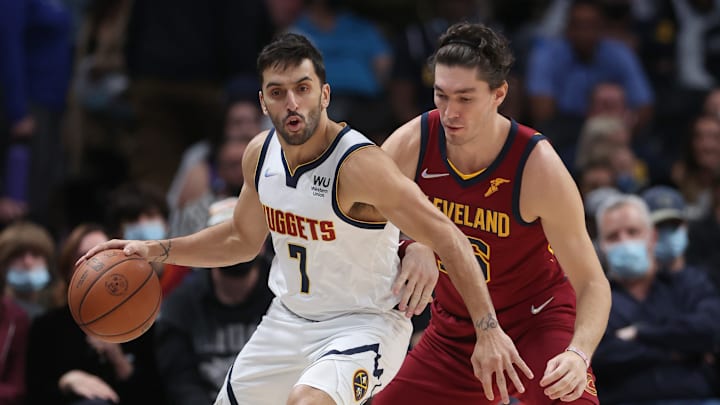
(505, 187)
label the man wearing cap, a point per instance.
(660, 344)
(667, 212)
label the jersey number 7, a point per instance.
(300, 253)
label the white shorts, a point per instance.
(350, 357)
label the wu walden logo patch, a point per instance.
(360, 384)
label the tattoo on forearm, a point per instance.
(166, 250)
(486, 323)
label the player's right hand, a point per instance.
(87, 386)
(416, 279)
(495, 354)
(130, 247)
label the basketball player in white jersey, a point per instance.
(326, 193)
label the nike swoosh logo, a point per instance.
(269, 174)
(536, 310)
(426, 175)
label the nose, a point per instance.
(291, 102)
(451, 112)
(29, 259)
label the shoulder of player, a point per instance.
(544, 166)
(255, 145)
(366, 167)
(406, 135)
(252, 153)
(403, 145)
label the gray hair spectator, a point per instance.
(661, 341)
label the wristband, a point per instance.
(402, 247)
(579, 353)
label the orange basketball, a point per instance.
(114, 297)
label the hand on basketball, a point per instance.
(416, 279)
(129, 247)
(495, 354)
(87, 386)
(565, 377)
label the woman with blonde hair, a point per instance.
(27, 253)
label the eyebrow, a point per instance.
(460, 91)
(304, 78)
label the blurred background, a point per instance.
(129, 118)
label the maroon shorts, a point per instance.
(438, 369)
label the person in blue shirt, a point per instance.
(562, 72)
(358, 60)
(662, 337)
(35, 70)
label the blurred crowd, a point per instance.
(129, 119)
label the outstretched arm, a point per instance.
(369, 176)
(230, 242)
(563, 221)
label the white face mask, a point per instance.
(628, 259)
(23, 280)
(148, 230)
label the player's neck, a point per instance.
(482, 147)
(324, 135)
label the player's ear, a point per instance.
(262, 103)
(500, 93)
(325, 95)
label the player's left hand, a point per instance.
(416, 279)
(565, 377)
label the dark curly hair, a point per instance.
(475, 46)
(290, 50)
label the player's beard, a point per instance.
(311, 123)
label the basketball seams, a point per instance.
(91, 285)
(109, 291)
(151, 273)
(141, 325)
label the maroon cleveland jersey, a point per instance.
(515, 255)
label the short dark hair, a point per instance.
(290, 50)
(475, 46)
(131, 200)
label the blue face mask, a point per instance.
(628, 259)
(149, 230)
(671, 244)
(24, 281)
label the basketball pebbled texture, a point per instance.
(114, 297)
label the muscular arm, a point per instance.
(234, 241)
(370, 176)
(548, 192)
(238, 240)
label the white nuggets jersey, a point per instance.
(326, 264)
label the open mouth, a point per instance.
(293, 123)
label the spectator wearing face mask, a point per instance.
(14, 325)
(67, 367)
(139, 211)
(206, 321)
(667, 211)
(26, 252)
(663, 331)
